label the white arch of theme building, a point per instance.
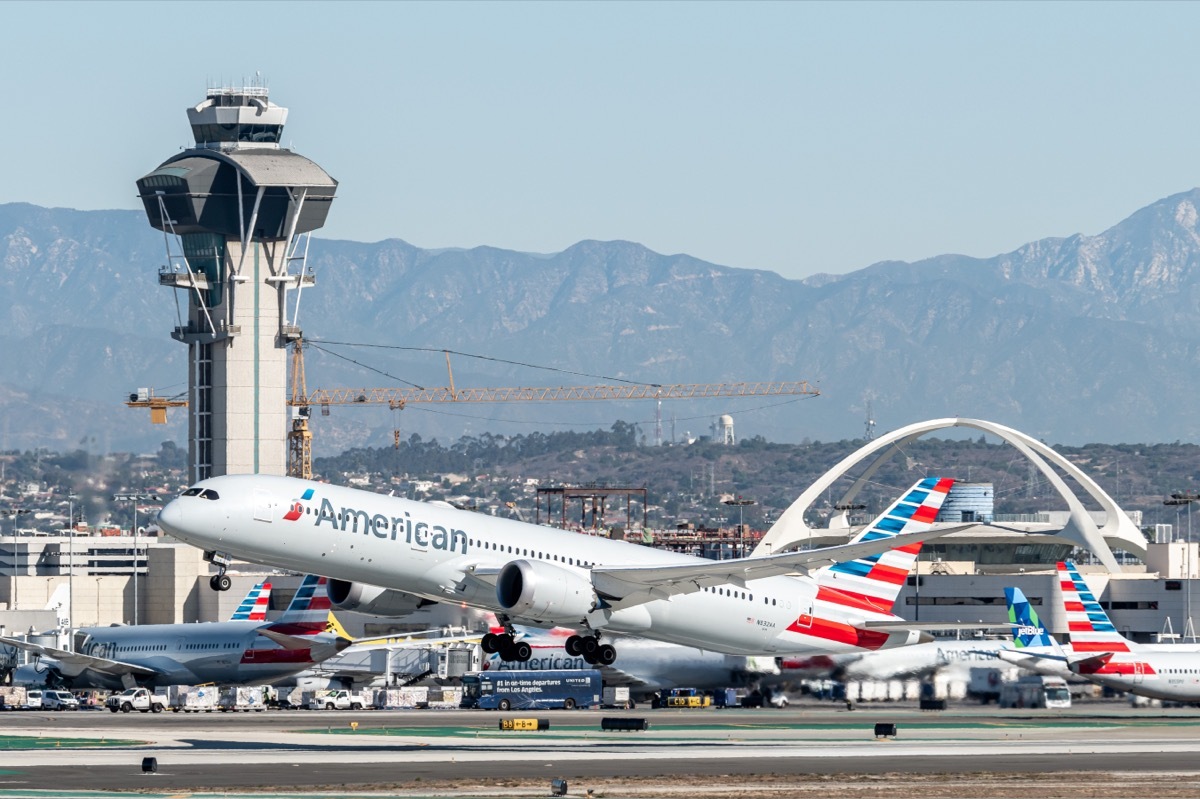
(791, 530)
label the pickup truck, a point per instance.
(136, 699)
(337, 700)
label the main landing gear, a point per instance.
(507, 648)
(592, 651)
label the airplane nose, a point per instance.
(170, 518)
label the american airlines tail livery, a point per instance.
(1102, 655)
(225, 652)
(831, 600)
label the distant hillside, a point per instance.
(1072, 339)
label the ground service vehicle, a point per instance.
(33, 699)
(136, 699)
(337, 700)
(684, 697)
(507, 690)
(59, 700)
(1035, 690)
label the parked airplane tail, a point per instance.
(254, 606)
(1091, 629)
(1028, 629)
(308, 613)
(874, 581)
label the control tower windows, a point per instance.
(210, 133)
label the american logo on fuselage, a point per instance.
(416, 533)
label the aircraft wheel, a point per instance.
(489, 643)
(221, 582)
(606, 655)
(506, 653)
(522, 651)
(505, 704)
(588, 647)
(572, 646)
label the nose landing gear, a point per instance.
(219, 581)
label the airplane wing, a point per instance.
(623, 587)
(76, 662)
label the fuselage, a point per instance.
(433, 552)
(229, 652)
(1174, 676)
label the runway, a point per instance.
(424, 751)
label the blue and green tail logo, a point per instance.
(1027, 627)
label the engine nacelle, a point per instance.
(531, 589)
(371, 599)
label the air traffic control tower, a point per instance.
(234, 210)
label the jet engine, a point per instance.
(543, 592)
(373, 600)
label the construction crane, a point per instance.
(300, 437)
(144, 398)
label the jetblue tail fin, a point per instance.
(876, 579)
(1028, 629)
(309, 611)
(1091, 629)
(254, 606)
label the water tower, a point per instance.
(234, 210)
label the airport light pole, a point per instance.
(134, 498)
(71, 570)
(1187, 498)
(13, 514)
(741, 506)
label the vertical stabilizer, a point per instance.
(1091, 629)
(876, 579)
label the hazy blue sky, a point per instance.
(795, 137)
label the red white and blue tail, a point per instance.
(874, 582)
(254, 606)
(1091, 629)
(308, 613)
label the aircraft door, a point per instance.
(1139, 672)
(262, 506)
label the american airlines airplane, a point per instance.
(1101, 654)
(228, 652)
(543, 577)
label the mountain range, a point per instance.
(1073, 340)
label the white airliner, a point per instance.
(1102, 655)
(545, 577)
(227, 652)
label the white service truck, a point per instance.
(136, 699)
(337, 700)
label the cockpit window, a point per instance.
(203, 493)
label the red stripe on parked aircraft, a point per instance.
(1073, 607)
(277, 656)
(1098, 646)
